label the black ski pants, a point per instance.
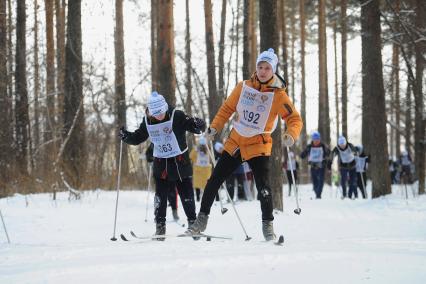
(186, 194)
(224, 168)
(361, 181)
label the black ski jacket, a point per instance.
(174, 168)
(325, 155)
(342, 165)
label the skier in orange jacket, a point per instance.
(256, 104)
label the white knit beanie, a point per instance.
(157, 104)
(341, 140)
(270, 57)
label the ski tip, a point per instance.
(280, 240)
(133, 234)
(224, 210)
(123, 238)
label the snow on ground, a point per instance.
(332, 241)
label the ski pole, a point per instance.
(296, 191)
(149, 190)
(118, 190)
(4, 227)
(210, 151)
(363, 184)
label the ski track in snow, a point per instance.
(332, 241)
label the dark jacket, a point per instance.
(174, 168)
(325, 151)
(342, 165)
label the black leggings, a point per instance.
(224, 168)
(186, 194)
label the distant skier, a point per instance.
(405, 162)
(291, 167)
(201, 166)
(393, 170)
(258, 103)
(318, 154)
(362, 161)
(347, 165)
(166, 127)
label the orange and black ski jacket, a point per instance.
(261, 144)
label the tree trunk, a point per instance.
(303, 134)
(253, 34)
(419, 134)
(323, 107)
(74, 155)
(21, 93)
(374, 112)
(214, 99)
(36, 129)
(408, 118)
(293, 41)
(248, 17)
(120, 84)
(237, 39)
(5, 104)
(154, 55)
(336, 77)
(221, 90)
(269, 39)
(343, 26)
(50, 83)
(188, 83)
(284, 37)
(166, 51)
(60, 62)
(396, 90)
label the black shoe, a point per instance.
(160, 229)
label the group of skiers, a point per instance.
(352, 164)
(402, 169)
(257, 104)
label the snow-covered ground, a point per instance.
(332, 241)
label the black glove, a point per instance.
(123, 134)
(200, 124)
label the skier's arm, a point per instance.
(305, 152)
(191, 124)
(139, 136)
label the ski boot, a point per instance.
(175, 215)
(268, 230)
(199, 225)
(160, 229)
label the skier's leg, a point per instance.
(224, 167)
(321, 174)
(186, 194)
(160, 200)
(352, 183)
(260, 168)
(343, 178)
